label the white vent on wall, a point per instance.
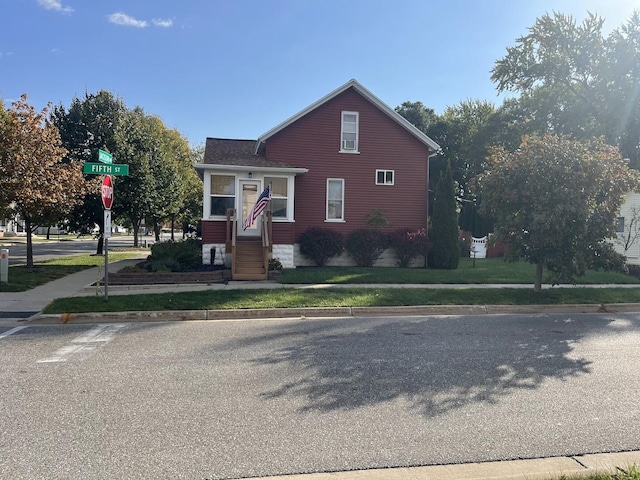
(348, 144)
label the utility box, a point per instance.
(4, 266)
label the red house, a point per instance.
(328, 166)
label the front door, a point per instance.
(249, 192)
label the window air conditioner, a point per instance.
(348, 144)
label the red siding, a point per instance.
(313, 142)
(215, 232)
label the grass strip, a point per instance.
(341, 297)
(630, 473)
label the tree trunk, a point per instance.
(537, 287)
(172, 222)
(100, 247)
(48, 232)
(156, 229)
(27, 228)
(136, 228)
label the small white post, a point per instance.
(4, 265)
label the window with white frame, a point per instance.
(279, 196)
(384, 177)
(349, 135)
(223, 194)
(620, 225)
(335, 199)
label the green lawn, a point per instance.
(341, 297)
(22, 278)
(486, 270)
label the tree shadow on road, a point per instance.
(435, 364)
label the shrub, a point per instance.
(275, 264)
(321, 244)
(177, 256)
(408, 244)
(366, 245)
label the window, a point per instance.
(384, 177)
(349, 138)
(620, 225)
(223, 194)
(279, 196)
(335, 200)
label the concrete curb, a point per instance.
(311, 312)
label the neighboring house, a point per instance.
(628, 229)
(329, 166)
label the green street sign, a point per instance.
(104, 169)
(105, 157)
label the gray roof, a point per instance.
(226, 151)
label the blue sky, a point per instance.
(237, 68)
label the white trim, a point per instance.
(243, 168)
(393, 177)
(345, 143)
(395, 116)
(326, 215)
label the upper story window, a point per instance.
(279, 196)
(349, 136)
(384, 177)
(223, 194)
(335, 200)
(620, 225)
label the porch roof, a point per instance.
(227, 151)
(225, 154)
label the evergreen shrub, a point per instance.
(175, 256)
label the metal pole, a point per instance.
(106, 268)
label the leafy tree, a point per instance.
(190, 213)
(88, 125)
(135, 146)
(35, 183)
(555, 201)
(464, 132)
(576, 81)
(445, 251)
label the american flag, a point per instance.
(258, 208)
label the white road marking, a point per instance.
(86, 343)
(10, 332)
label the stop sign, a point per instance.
(107, 192)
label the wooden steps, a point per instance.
(249, 261)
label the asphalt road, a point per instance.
(235, 399)
(65, 247)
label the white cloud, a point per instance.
(158, 22)
(125, 20)
(55, 5)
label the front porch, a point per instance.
(249, 255)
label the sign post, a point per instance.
(107, 201)
(107, 168)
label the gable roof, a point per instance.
(399, 119)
